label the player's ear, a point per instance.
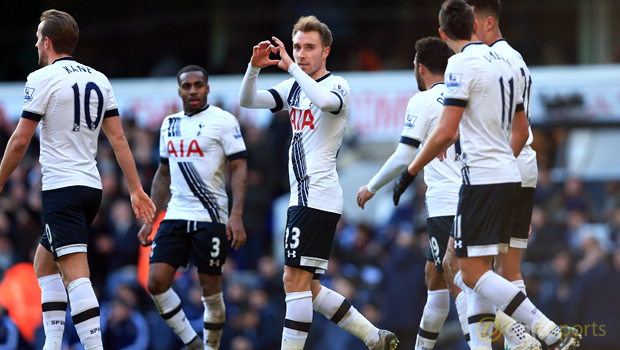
(208, 89)
(326, 52)
(475, 26)
(179, 91)
(421, 69)
(442, 35)
(490, 23)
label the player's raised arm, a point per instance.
(305, 46)
(141, 203)
(249, 96)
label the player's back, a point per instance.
(71, 100)
(483, 82)
(442, 178)
(527, 157)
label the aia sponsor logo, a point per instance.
(301, 118)
(178, 150)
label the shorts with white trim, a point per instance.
(484, 219)
(523, 218)
(439, 228)
(308, 239)
(179, 242)
(67, 213)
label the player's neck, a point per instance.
(458, 44)
(319, 73)
(430, 80)
(53, 56)
(493, 37)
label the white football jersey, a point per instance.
(527, 158)
(71, 100)
(443, 179)
(483, 82)
(317, 137)
(197, 147)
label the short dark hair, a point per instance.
(61, 29)
(192, 68)
(433, 53)
(490, 7)
(312, 24)
(457, 20)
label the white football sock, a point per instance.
(481, 316)
(514, 332)
(214, 317)
(339, 310)
(297, 321)
(435, 313)
(169, 305)
(54, 306)
(461, 309)
(508, 298)
(85, 313)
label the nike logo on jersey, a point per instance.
(300, 119)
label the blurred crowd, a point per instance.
(571, 266)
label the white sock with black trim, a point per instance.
(169, 305)
(85, 313)
(214, 318)
(54, 306)
(297, 321)
(461, 309)
(340, 311)
(508, 298)
(435, 312)
(481, 317)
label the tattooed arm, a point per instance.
(234, 229)
(160, 195)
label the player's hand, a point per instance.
(402, 182)
(143, 207)
(363, 196)
(143, 235)
(235, 231)
(260, 55)
(443, 155)
(285, 59)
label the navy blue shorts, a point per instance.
(484, 219)
(523, 218)
(67, 213)
(179, 242)
(308, 238)
(439, 228)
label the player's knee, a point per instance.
(156, 286)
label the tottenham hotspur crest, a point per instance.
(201, 125)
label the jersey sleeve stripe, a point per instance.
(111, 113)
(409, 141)
(339, 108)
(238, 155)
(32, 116)
(455, 102)
(279, 103)
(519, 108)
